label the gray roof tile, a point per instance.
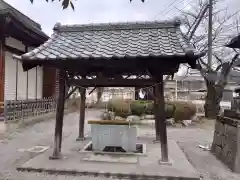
(139, 39)
(235, 42)
(29, 23)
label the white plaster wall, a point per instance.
(14, 43)
(39, 82)
(22, 83)
(10, 77)
(32, 83)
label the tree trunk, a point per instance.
(99, 93)
(213, 99)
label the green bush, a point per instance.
(178, 110)
(169, 109)
(184, 111)
(138, 108)
(120, 107)
(149, 108)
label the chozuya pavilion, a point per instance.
(116, 50)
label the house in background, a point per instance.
(18, 35)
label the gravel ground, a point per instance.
(42, 134)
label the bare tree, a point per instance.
(67, 3)
(224, 28)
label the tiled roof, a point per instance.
(235, 42)
(138, 39)
(29, 23)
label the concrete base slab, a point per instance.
(169, 162)
(146, 167)
(110, 159)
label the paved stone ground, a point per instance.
(140, 166)
(42, 134)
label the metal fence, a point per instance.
(23, 109)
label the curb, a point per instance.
(104, 174)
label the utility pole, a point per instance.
(210, 12)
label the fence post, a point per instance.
(21, 108)
(6, 110)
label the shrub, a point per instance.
(99, 105)
(138, 108)
(149, 108)
(169, 109)
(184, 110)
(177, 110)
(120, 107)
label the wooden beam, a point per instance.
(13, 50)
(161, 118)
(111, 82)
(59, 117)
(92, 90)
(82, 115)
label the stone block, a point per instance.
(232, 146)
(232, 131)
(230, 121)
(218, 151)
(218, 139)
(230, 113)
(219, 127)
(225, 128)
(225, 151)
(236, 167)
(113, 135)
(214, 137)
(226, 142)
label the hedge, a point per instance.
(178, 110)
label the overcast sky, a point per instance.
(90, 11)
(102, 11)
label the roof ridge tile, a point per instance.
(117, 26)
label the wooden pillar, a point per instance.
(161, 118)
(59, 117)
(26, 50)
(82, 115)
(16, 90)
(157, 125)
(2, 65)
(36, 85)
